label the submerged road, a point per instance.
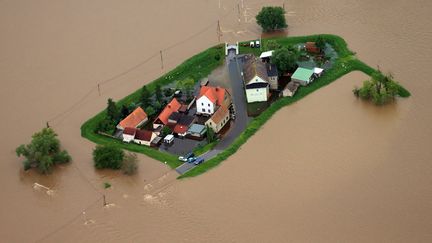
(234, 65)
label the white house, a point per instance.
(210, 98)
(129, 134)
(144, 137)
(256, 80)
(219, 119)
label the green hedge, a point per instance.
(196, 67)
(345, 63)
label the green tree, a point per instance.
(150, 111)
(166, 130)
(380, 89)
(113, 112)
(158, 92)
(43, 152)
(108, 156)
(271, 18)
(210, 135)
(130, 164)
(145, 97)
(106, 125)
(272, 45)
(124, 111)
(285, 59)
(320, 43)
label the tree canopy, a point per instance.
(43, 152)
(380, 88)
(271, 18)
(107, 156)
(285, 59)
(145, 97)
(113, 112)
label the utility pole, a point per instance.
(161, 59)
(283, 6)
(104, 200)
(99, 90)
(47, 125)
(238, 10)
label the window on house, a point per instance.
(257, 90)
(208, 105)
(202, 104)
(209, 110)
(203, 110)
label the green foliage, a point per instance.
(166, 130)
(285, 59)
(150, 111)
(217, 57)
(145, 96)
(210, 135)
(107, 185)
(272, 45)
(113, 113)
(158, 92)
(125, 111)
(168, 92)
(200, 149)
(108, 156)
(105, 125)
(130, 164)
(320, 43)
(186, 84)
(43, 151)
(380, 88)
(271, 18)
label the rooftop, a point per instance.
(143, 135)
(303, 74)
(220, 114)
(214, 94)
(134, 118)
(253, 68)
(266, 54)
(173, 106)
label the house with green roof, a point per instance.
(303, 76)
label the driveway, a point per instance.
(234, 65)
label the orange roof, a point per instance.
(134, 118)
(214, 94)
(173, 106)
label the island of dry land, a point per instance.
(197, 68)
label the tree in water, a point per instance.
(380, 89)
(108, 156)
(43, 152)
(271, 18)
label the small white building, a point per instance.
(303, 76)
(144, 137)
(219, 119)
(211, 98)
(129, 134)
(256, 80)
(169, 139)
(266, 55)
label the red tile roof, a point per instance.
(214, 94)
(143, 135)
(220, 114)
(180, 128)
(134, 118)
(173, 106)
(129, 131)
(311, 47)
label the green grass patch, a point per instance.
(201, 65)
(196, 67)
(204, 149)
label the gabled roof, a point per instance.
(186, 120)
(220, 114)
(129, 131)
(144, 135)
(173, 106)
(175, 116)
(303, 74)
(134, 118)
(252, 68)
(292, 86)
(214, 94)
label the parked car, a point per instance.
(185, 158)
(252, 44)
(198, 161)
(257, 44)
(191, 159)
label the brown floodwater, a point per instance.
(329, 168)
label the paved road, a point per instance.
(241, 121)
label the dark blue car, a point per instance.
(198, 161)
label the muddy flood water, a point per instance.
(329, 168)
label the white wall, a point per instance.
(273, 80)
(204, 103)
(127, 138)
(257, 95)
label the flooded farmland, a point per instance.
(329, 168)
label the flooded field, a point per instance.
(329, 168)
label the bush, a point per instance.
(43, 151)
(108, 156)
(130, 164)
